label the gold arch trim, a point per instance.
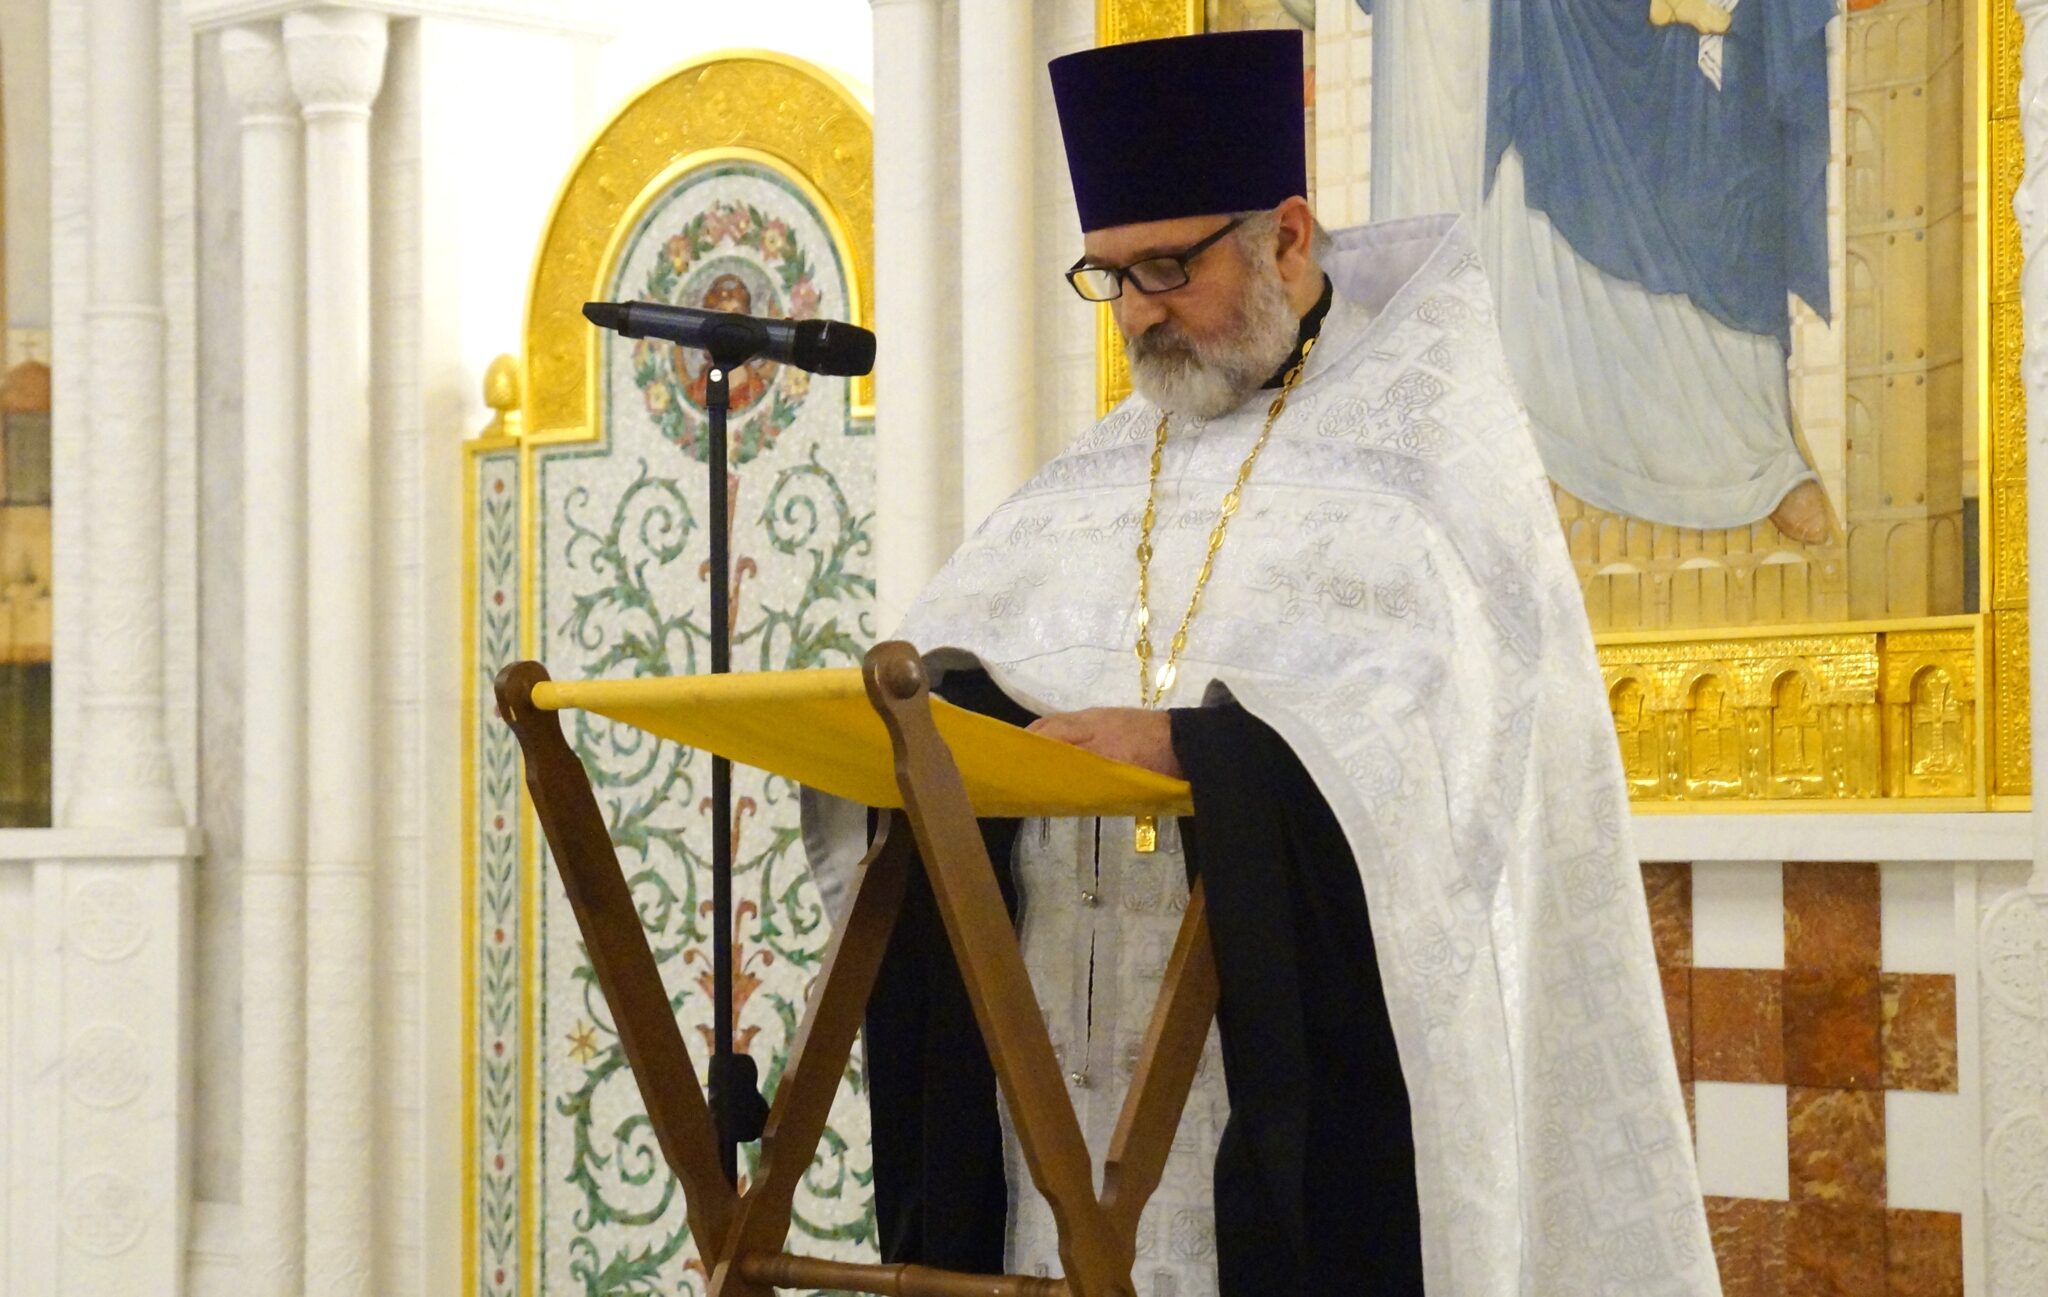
(752, 104)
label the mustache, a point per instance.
(1161, 337)
(1163, 341)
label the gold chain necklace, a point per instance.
(1154, 687)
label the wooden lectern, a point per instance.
(929, 817)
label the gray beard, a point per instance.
(1209, 378)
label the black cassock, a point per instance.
(1315, 1172)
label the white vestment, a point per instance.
(1395, 600)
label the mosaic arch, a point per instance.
(588, 541)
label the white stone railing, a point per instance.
(96, 959)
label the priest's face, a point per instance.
(1204, 348)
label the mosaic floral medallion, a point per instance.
(730, 256)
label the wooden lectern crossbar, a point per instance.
(742, 1236)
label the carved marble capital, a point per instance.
(336, 59)
(252, 62)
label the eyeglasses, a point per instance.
(1152, 275)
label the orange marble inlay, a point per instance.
(1919, 1031)
(1738, 1031)
(1923, 1254)
(1832, 1021)
(1668, 888)
(1749, 1245)
(1835, 1145)
(1839, 1034)
(1834, 1249)
(1678, 1012)
(1831, 917)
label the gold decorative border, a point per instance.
(821, 138)
(1116, 22)
(2003, 456)
(501, 394)
(818, 129)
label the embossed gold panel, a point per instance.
(2004, 451)
(1845, 715)
(1117, 21)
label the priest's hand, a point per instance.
(1131, 734)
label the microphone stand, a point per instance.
(733, 1084)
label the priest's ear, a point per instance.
(1294, 240)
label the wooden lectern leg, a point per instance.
(741, 1238)
(617, 945)
(1097, 1263)
(817, 1059)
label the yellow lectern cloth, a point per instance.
(818, 728)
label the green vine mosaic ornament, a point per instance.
(624, 593)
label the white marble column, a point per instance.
(273, 662)
(124, 767)
(2030, 204)
(998, 271)
(336, 61)
(911, 292)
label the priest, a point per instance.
(1312, 566)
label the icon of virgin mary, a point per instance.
(751, 381)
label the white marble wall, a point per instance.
(218, 806)
(946, 367)
(177, 131)
(2004, 1041)
(1066, 324)
(1343, 39)
(402, 783)
(475, 128)
(16, 1004)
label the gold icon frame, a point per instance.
(1939, 704)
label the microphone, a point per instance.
(820, 346)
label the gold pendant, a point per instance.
(1163, 682)
(1146, 835)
